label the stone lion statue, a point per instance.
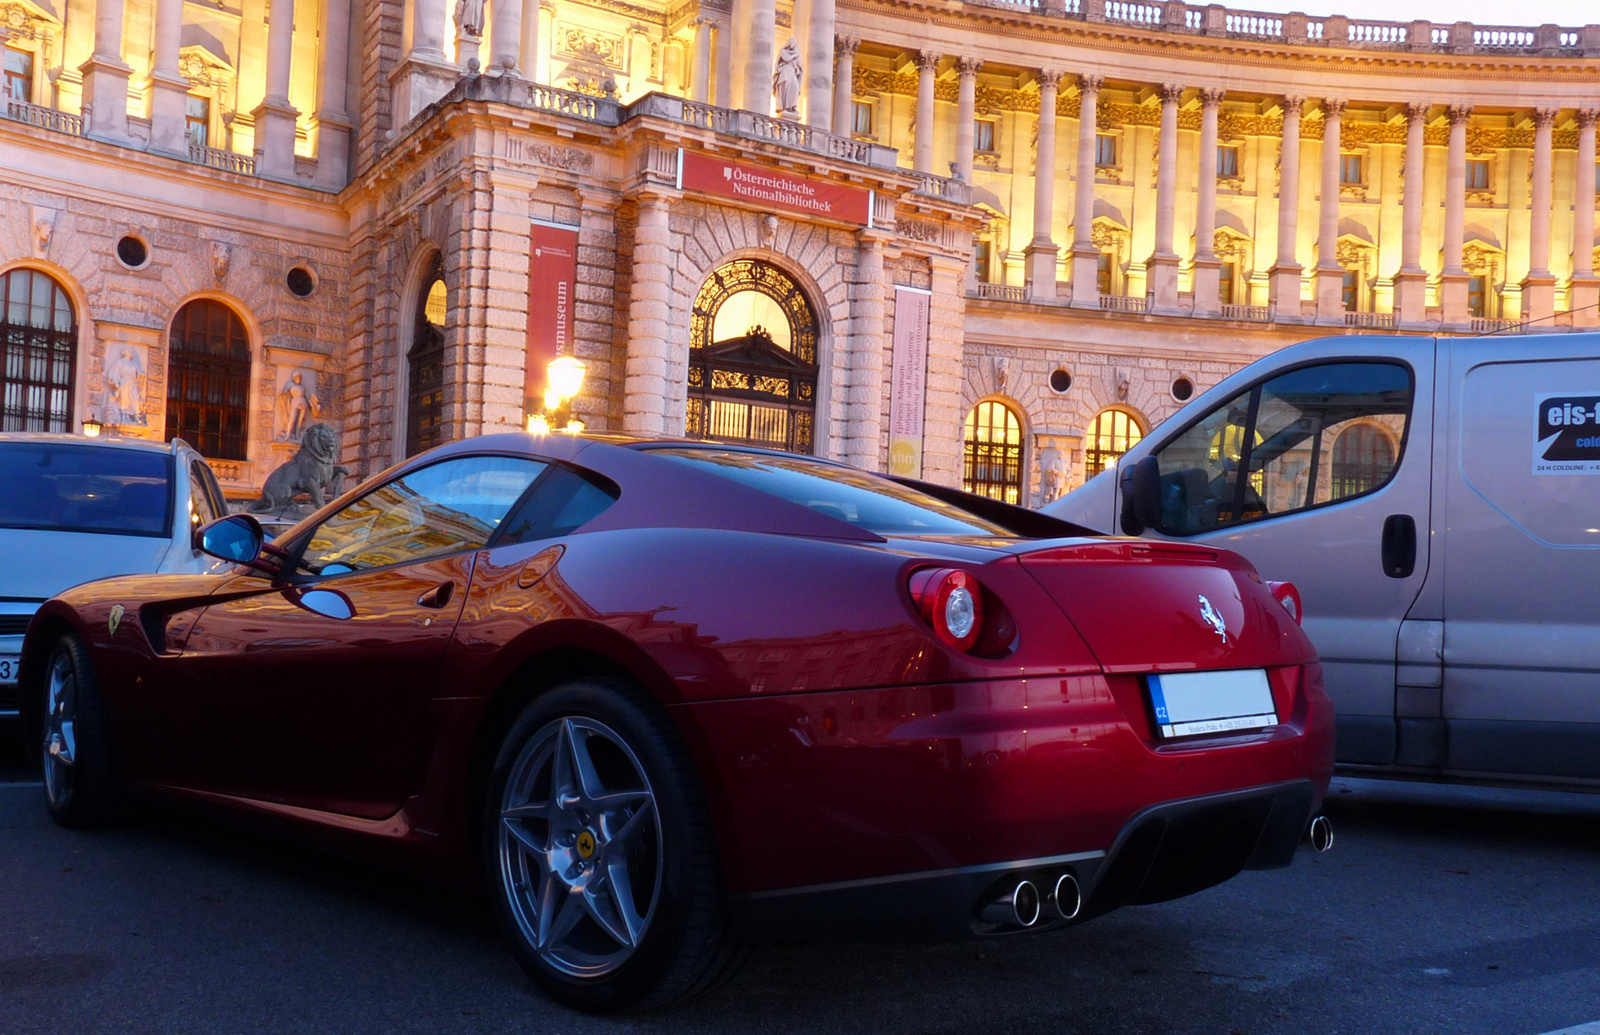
(312, 471)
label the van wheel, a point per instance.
(600, 854)
(78, 784)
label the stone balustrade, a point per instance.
(1425, 37)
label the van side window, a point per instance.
(1307, 438)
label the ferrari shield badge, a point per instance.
(1213, 618)
(114, 619)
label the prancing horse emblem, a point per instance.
(114, 619)
(1209, 615)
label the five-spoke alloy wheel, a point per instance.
(76, 756)
(598, 848)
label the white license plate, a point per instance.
(9, 663)
(1187, 704)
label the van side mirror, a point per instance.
(1141, 496)
(236, 538)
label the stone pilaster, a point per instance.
(649, 319)
(864, 398)
(1085, 256)
(1040, 254)
(1283, 278)
(942, 405)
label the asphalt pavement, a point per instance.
(1439, 909)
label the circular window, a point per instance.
(301, 282)
(1060, 381)
(1182, 389)
(132, 252)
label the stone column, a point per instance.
(528, 43)
(1411, 282)
(332, 121)
(966, 103)
(105, 76)
(1283, 279)
(1207, 266)
(1162, 266)
(724, 65)
(927, 65)
(1330, 275)
(423, 75)
(505, 37)
(649, 320)
(1453, 278)
(1085, 256)
(1583, 294)
(1539, 287)
(167, 91)
(819, 66)
(1039, 257)
(844, 47)
(275, 116)
(759, 56)
(701, 91)
(864, 398)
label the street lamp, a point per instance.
(91, 427)
(564, 376)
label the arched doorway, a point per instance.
(38, 353)
(992, 452)
(208, 380)
(1363, 459)
(1111, 433)
(753, 359)
(425, 363)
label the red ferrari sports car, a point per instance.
(669, 698)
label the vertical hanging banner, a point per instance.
(552, 285)
(908, 380)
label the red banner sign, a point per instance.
(773, 188)
(552, 285)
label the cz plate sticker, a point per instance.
(1567, 434)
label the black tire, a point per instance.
(80, 786)
(680, 946)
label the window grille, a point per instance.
(992, 465)
(208, 380)
(38, 351)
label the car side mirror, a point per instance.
(1141, 496)
(236, 538)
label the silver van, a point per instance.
(1437, 503)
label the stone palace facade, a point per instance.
(987, 242)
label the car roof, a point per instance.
(113, 442)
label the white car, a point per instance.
(73, 509)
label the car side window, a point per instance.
(447, 507)
(202, 507)
(561, 503)
(1306, 438)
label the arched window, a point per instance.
(38, 347)
(752, 359)
(425, 364)
(992, 461)
(208, 380)
(1363, 458)
(1112, 433)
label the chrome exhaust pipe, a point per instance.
(1066, 897)
(1018, 907)
(1320, 834)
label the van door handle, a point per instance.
(438, 596)
(1399, 546)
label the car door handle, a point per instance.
(438, 596)
(1399, 546)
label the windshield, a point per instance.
(865, 500)
(67, 488)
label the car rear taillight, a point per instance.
(952, 602)
(1285, 594)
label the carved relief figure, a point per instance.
(221, 259)
(1053, 479)
(125, 390)
(297, 406)
(786, 80)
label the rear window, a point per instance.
(865, 500)
(66, 488)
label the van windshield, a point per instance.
(66, 488)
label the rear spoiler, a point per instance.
(1030, 524)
